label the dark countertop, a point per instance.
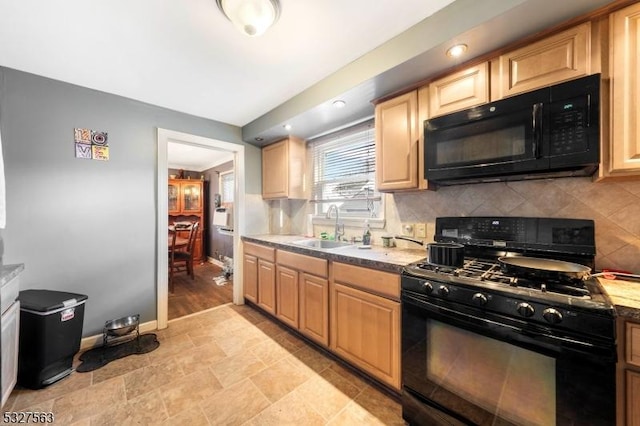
(625, 295)
(8, 272)
(377, 257)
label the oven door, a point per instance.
(461, 365)
(500, 138)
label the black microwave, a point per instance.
(550, 132)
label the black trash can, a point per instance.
(50, 334)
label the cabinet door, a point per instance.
(191, 197)
(174, 197)
(365, 329)
(625, 92)
(561, 57)
(314, 308)
(10, 343)
(267, 286)
(287, 295)
(250, 278)
(633, 396)
(397, 143)
(275, 170)
(464, 89)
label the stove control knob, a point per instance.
(525, 309)
(479, 299)
(427, 287)
(443, 290)
(552, 315)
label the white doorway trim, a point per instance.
(162, 284)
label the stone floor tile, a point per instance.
(236, 368)
(279, 379)
(149, 378)
(189, 391)
(28, 397)
(235, 405)
(290, 410)
(120, 367)
(144, 410)
(86, 402)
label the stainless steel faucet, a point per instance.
(336, 232)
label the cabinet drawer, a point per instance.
(383, 283)
(266, 253)
(633, 343)
(303, 263)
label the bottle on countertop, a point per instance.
(366, 236)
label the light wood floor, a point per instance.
(231, 365)
(191, 296)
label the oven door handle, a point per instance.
(576, 345)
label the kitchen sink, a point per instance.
(322, 244)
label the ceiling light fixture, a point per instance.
(287, 127)
(339, 103)
(252, 17)
(456, 50)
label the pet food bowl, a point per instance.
(122, 326)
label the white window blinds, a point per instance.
(344, 172)
(226, 187)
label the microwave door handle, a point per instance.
(536, 123)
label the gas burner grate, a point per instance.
(489, 271)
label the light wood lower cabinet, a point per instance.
(628, 368)
(365, 329)
(355, 314)
(365, 320)
(314, 308)
(250, 278)
(259, 283)
(267, 286)
(287, 295)
(303, 294)
(633, 397)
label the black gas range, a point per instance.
(559, 331)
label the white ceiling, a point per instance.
(184, 54)
(195, 158)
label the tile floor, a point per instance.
(227, 366)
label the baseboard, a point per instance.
(97, 340)
(215, 261)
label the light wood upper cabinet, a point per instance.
(563, 56)
(284, 169)
(463, 89)
(397, 143)
(621, 157)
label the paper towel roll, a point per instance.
(309, 230)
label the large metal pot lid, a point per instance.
(546, 265)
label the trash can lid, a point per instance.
(48, 300)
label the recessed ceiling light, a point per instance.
(259, 139)
(456, 50)
(339, 103)
(287, 126)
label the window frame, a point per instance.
(332, 140)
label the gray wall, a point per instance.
(218, 244)
(88, 226)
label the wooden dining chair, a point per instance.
(181, 259)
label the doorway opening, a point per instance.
(235, 153)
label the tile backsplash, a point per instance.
(614, 207)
